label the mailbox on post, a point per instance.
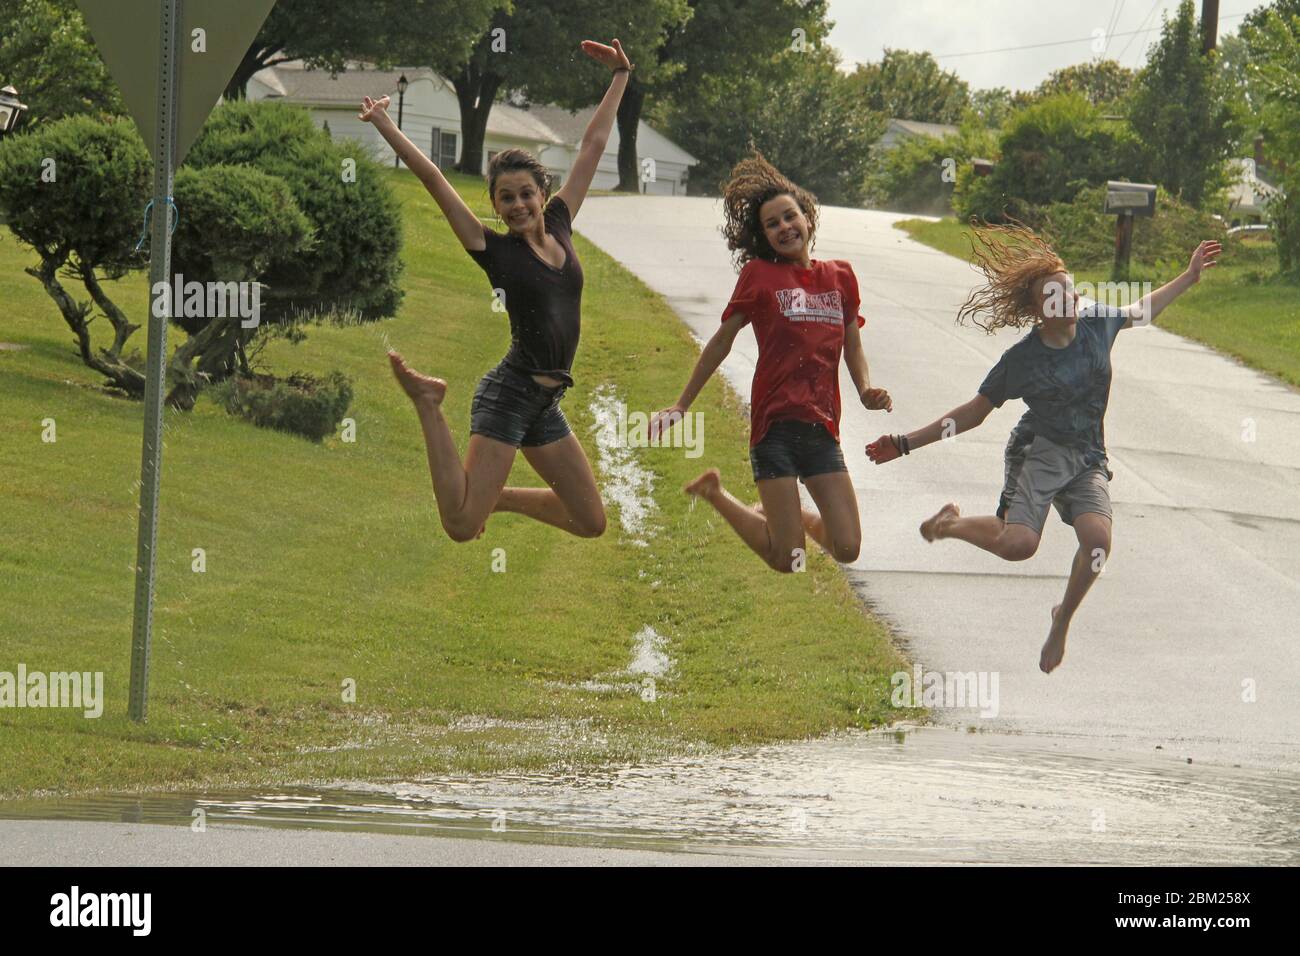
(1126, 200)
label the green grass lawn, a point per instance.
(327, 563)
(1240, 308)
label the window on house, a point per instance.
(443, 150)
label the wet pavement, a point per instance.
(917, 796)
(1191, 637)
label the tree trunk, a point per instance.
(122, 328)
(255, 58)
(476, 89)
(74, 313)
(629, 118)
(207, 357)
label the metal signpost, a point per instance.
(172, 59)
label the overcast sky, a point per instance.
(863, 28)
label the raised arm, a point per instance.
(715, 350)
(464, 223)
(961, 419)
(1145, 310)
(594, 140)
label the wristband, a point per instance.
(623, 69)
(903, 444)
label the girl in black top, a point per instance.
(535, 273)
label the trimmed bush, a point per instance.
(355, 261)
(301, 404)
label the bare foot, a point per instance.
(421, 389)
(706, 486)
(1054, 648)
(931, 526)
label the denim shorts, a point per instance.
(512, 408)
(793, 448)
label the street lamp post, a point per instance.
(402, 84)
(11, 111)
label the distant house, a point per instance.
(431, 118)
(900, 129)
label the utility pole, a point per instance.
(1209, 25)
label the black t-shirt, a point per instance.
(542, 301)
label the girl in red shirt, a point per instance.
(805, 316)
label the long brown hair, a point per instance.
(753, 182)
(1014, 260)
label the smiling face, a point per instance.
(518, 200)
(784, 226)
(1058, 301)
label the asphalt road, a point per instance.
(1198, 609)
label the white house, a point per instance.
(431, 118)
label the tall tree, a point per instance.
(1275, 66)
(1182, 113)
(723, 41)
(910, 85)
(47, 54)
(799, 110)
(325, 34)
(1102, 82)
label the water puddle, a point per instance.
(924, 795)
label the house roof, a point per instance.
(915, 128)
(538, 123)
(571, 124)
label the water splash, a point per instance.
(625, 482)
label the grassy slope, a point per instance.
(326, 562)
(1230, 310)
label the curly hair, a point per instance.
(753, 182)
(1013, 259)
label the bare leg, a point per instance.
(1093, 532)
(465, 493)
(572, 503)
(812, 523)
(838, 520)
(1011, 542)
(774, 533)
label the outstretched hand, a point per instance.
(610, 56)
(374, 110)
(1205, 257)
(665, 419)
(883, 449)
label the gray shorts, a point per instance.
(1042, 473)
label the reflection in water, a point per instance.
(927, 795)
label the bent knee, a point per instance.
(846, 552)
(788, 560)
(1017, 546)
(592, 526)
(461, 530)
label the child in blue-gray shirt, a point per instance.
(1061, 369)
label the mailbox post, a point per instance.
(1126, 200)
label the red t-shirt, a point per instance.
(799, 316)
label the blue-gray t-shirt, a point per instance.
(1066, 389)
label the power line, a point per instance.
(1120, 58)
(1036, 46)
